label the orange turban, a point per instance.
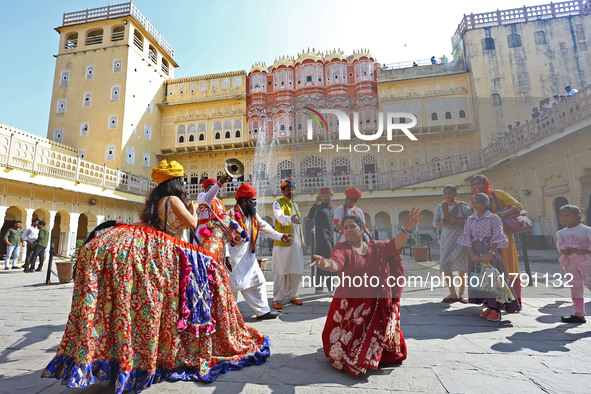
(165, 171)
(246, 190)
(353, 192)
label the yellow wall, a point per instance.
(559, 169)
(197, 104)
(140, 83)
(524, 75)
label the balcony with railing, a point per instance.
(24, 151)
(117, 11)
(418, 68)
(563, 115)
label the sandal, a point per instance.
(463, 299)
(449, 299)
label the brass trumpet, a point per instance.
(234, 168)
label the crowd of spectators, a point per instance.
(545, 107)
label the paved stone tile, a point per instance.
(562, 382)
(482, 381)
(451, 349)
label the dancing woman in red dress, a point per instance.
(362, 328)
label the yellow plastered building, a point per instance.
(117, 109)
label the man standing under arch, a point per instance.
(13, 239)
(40, 245)
(30, 236)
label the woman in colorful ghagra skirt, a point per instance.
(148, 307)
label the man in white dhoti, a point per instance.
(288, 260)
(246, 276)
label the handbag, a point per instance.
(515, 223)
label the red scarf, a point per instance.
(241, 219)
(487, 188)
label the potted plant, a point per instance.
(65, 269)
(419, 252)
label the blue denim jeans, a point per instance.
(12, 251)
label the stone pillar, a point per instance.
(73, 231)
(26, 223)
(394, 221)
(49, 227)
(3, 210)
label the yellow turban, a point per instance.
(165, 171)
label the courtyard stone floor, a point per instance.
(450, 348)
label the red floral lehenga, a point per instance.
(148, 307)
(362, 329)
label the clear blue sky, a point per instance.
(226, 35)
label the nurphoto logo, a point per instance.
(344, 124)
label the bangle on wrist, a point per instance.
(491, 251)
(405, 231)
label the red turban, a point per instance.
(246, 190)
(209, 182)
(353, 192)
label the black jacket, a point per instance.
(322, 215)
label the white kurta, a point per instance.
(341, 212)
(246, 272)
(288, 259)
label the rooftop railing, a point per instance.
(117, 11)
(411, 63)
(522, 14)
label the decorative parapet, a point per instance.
(28, 152)
(207, 76)
(259, 66)
(521, 14)
(117, 11)
(364, 52)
